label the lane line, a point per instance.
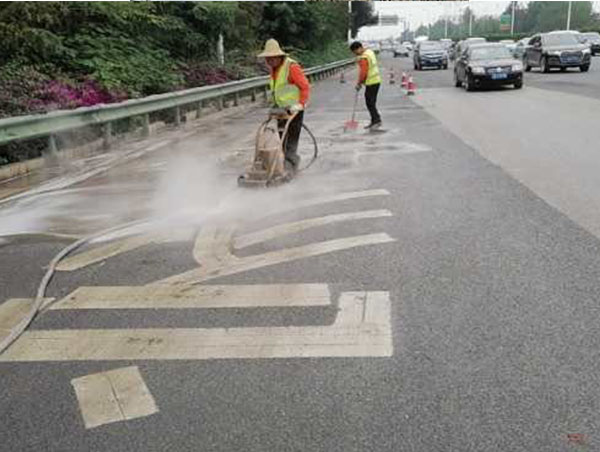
(165, 297)
(237, 265)
(352, 335)
(275, 232)
(113, 396)
(13, 310)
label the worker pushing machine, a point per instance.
(290, 90)
(368, 75)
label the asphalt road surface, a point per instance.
(431, 287)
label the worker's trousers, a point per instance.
(290, 145)
(371, 100)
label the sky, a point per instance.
(422, 13)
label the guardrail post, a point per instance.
(146, 125)
(266, 93)
(107, 135)
(236, 99)
(220, 103)
(198, 109)
(177, 116)
(253, 95)
(52, 148)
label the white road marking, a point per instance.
(165, 297)
(341, 197)
(114, 248)
(212, 246)
(299, 226)
(113, 396)
(236, 265)
(12, 311)
(362, 329)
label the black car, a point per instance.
(430, 53)
(593, 40)
(487, 65)
(556, 50)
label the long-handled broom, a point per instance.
(352, 124)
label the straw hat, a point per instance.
(272, 49)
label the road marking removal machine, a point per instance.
(269, 167)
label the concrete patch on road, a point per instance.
(362, 329)
(113, 396)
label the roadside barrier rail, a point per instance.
(55, 122)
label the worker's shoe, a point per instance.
(373, 125)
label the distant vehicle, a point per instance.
(510, 44)
(556, 50)
(593, 39)
(519, 49)
(489, 64)
(463, 45)
(408, 45)
(401, 51)
(421, 38)
(474, 40)
(429, 53)
(446, 43)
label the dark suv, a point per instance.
(560, 50)
(593, 40)
(430, 53)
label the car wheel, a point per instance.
(468, 83)
(519, 84)
(445, 66)
(415, 66)
(544, 65)
(457, 82)
(584, 68)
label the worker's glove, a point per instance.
(358, 86)
(296, 108)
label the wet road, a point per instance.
(431, 287)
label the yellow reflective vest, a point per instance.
(373, 76)
(284, 94)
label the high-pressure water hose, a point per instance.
(17, 330)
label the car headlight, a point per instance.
(477, 70)
(554, 53)
(517, 67)
(584, 51)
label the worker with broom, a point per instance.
(290, 90)
(368, 75)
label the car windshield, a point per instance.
(560, 39)
(489, 53)
(431, 46)
(594, 37)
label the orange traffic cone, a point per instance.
(411, 87)
(404, 82)
(392, 78)
(342, 78)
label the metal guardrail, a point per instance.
(50, 124)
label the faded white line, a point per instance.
(113, 396)
(362, 328)
(13, 311)
(213, 246)
(237, 265)
(299, 226)
(164, 297)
